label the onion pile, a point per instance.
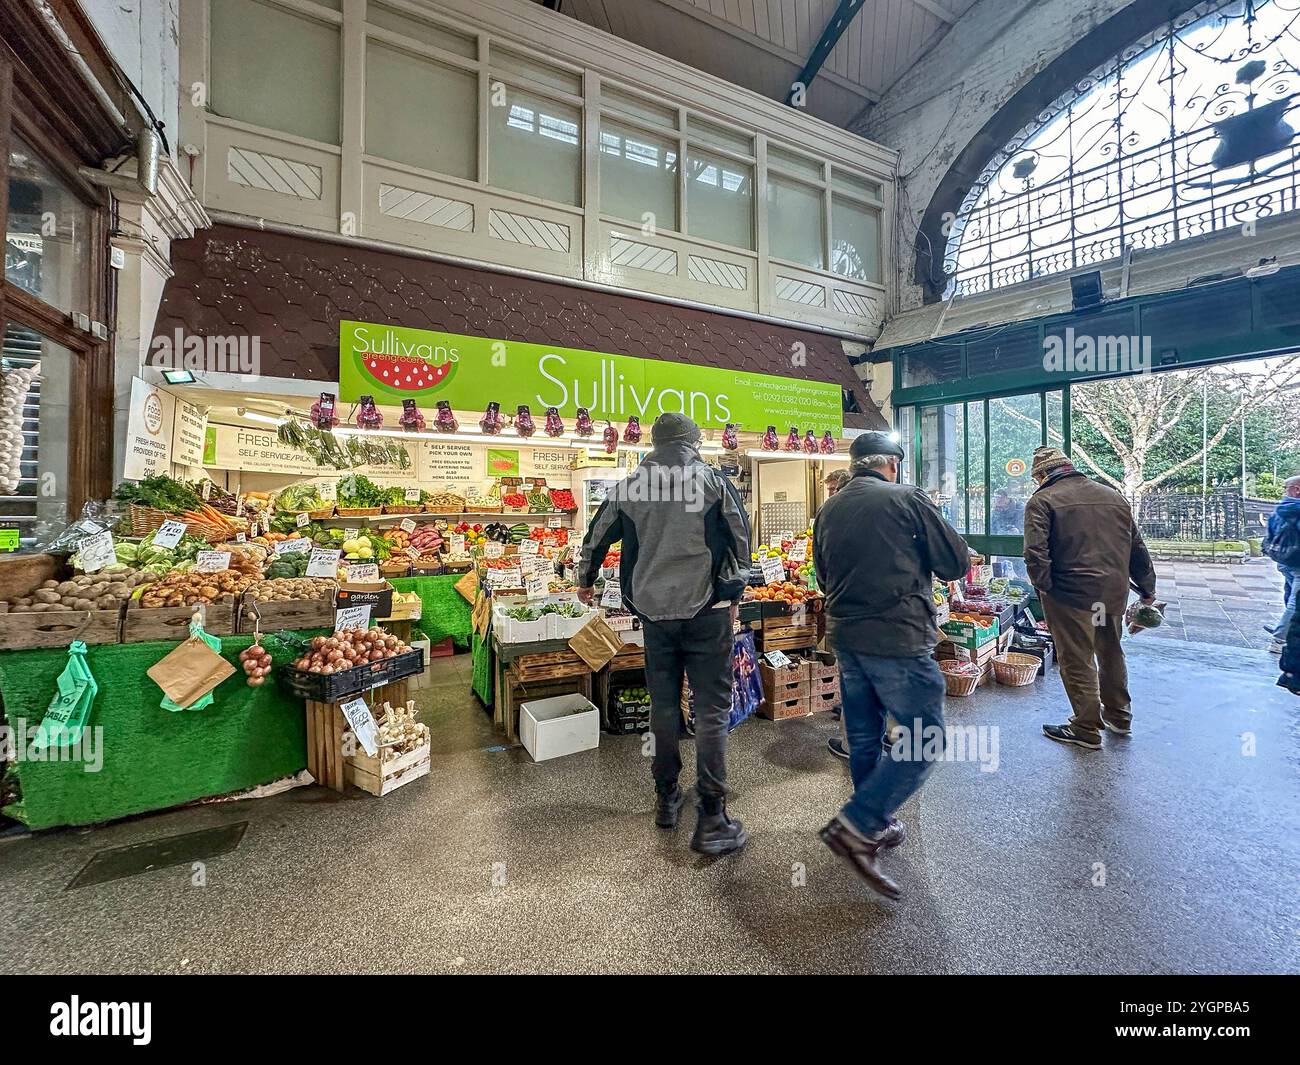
(349, 649)
(256, 661)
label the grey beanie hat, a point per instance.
(673, 428)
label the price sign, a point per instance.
(352, 533)
(536, 586)
(506, 578)
(97, 552)
(413, 552)
(412, 495)
(773, 570)
(241, 538)
(457, 543)
(799, 550)
(612, 595)
(493, 550)
(554, 523)
(363, 725)
(528, 547)
(777, 659)
(207, 491)
(367, 573)
(304, 519)
(324, 562)
(8, 536)
(169, 533)
(290, 547)
(352, 617)
(328, 492)
(239, 507)
(212, 561)
(407, 525)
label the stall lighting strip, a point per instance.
(569, 440)
(756, 453)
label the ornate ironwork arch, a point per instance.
(1189, 130)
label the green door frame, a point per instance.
(984, 542)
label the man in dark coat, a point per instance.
(1083, 550)
(877, 546)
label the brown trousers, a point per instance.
(1092, 664)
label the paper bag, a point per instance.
(467, 586)
(190, 672)
(482, 615)
(596, 643)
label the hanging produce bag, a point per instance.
(66, 716)
(189, 674)
(746, 684)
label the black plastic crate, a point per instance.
(331, 687)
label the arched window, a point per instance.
(1190, 130)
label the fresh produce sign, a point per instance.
(394, 363)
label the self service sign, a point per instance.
(393, 363)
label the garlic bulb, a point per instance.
(13, 394)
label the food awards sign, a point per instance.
(393, 363)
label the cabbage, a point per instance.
(126, 552)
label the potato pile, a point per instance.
(290, 589)
(349, 649)
(192, 588)
(105, 590)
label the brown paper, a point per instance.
(467, 586)
(189, 672)
(596, 643)
(482, 615)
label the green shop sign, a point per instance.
(393, 363)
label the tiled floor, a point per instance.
(1218, 603)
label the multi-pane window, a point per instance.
(535, 146)
(638, 176)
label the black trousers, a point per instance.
(699, 648)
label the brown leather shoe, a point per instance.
(862, 855)
(893, 834)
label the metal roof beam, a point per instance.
(839, 22)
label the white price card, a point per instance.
(407, 525)
(536, 586)
(554, 523)
(612, 595)
(352, 617)
(207, 491)
(799, 550)
(97, 552)
(304, 519)
(363, 725)
(364, 574)
(212, 561)
(239, 507)
(289, 547)
(774, 541)
(777, 659)
(512, 577)
(351, 533)
(413, 552)
(493, 550)
(457, 543)
(528, 547)
(241, 538)
(773, 570)
(328, 492)
(412, 495)
(324, 562)
(169, 533)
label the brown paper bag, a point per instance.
(467, 586)
(596, 643)
(482, 615)
(189, 672)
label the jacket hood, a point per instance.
(1288, 501)
(1060, 475)
(673, 453)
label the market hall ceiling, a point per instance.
(765, 44)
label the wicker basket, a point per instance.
(959, 685)
(403, 508)
(1015, 670)
(359, 512)
(322, 514)
(144, 520)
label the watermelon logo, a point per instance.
(402, 375)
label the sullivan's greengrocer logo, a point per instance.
(397, 367)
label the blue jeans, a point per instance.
(1292, 587)
(873, 687)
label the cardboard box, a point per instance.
(378, 596)
(968, 634)
(564, 724)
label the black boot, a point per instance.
(862, 854)
(668, 807)
(716, 833)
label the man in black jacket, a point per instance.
(877, 545)
(683, 567)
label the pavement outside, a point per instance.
(1176, 850)
(1227, 604)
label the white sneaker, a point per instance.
(1277, 647)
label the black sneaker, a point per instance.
(1066, 734)
(1115, 727)
(836, 746)
(718, 834)
(668, 807)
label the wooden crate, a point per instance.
(379, 776)
(294, 614)
(511, 693)
(632, 656)
(326, 726)
(782, 709)
(788, 638)
(547, 665)
(58, 628)
(173, 622)
(19, 574)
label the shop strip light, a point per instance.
(758, 453)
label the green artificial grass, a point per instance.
(151, 758)
(443, 611)
(482, 661)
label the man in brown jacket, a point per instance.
(1082, 550)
